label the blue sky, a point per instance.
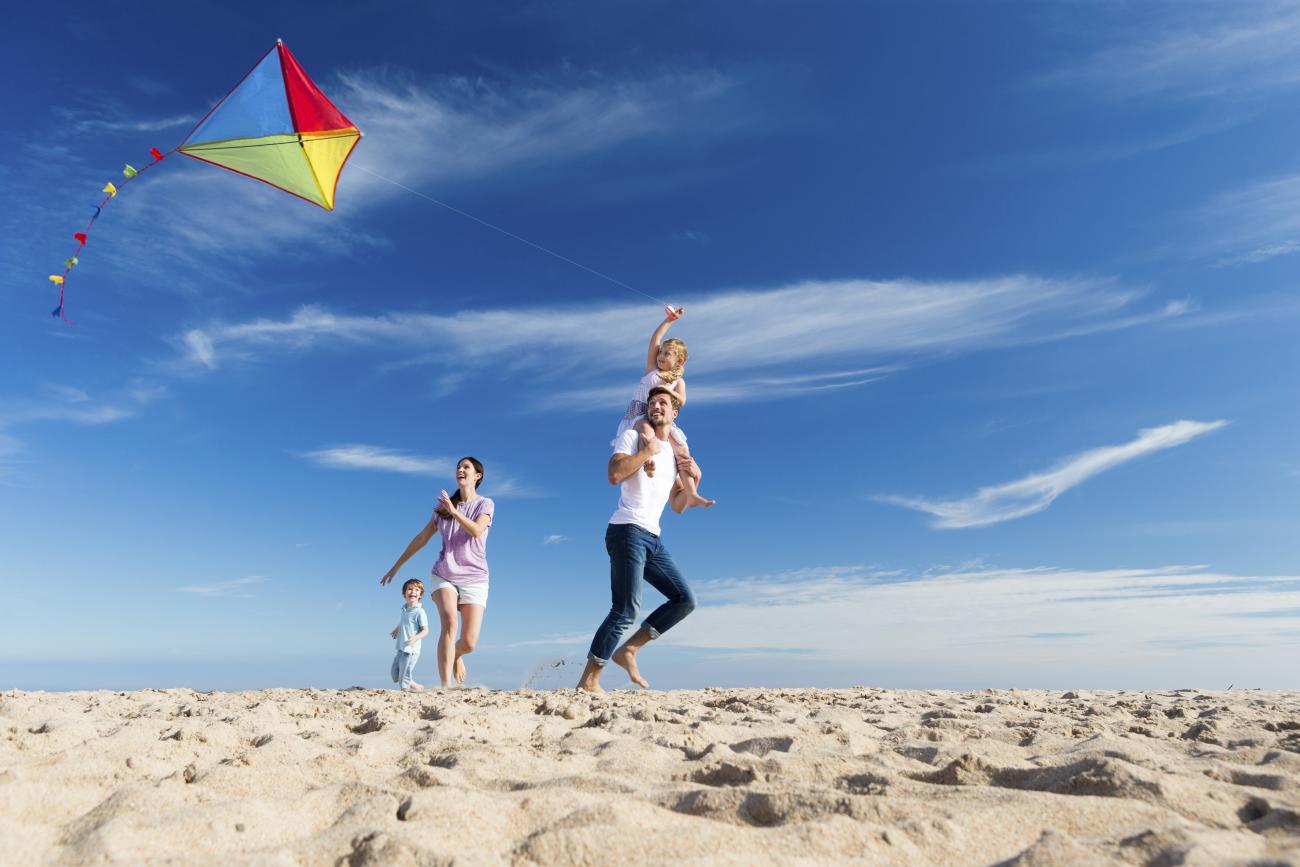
(991, 310)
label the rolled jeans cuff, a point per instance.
(654, 633)
(600, 663)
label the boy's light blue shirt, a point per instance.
(413, 621)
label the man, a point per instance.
(632, 540)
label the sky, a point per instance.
(991, 312)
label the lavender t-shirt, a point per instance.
(463, 560)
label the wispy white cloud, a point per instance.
(382, 459)
(816, 335)
(365, 457)
(65, 404)
(554, 539)
(94, 122)
(1226, 51)
(479, 127)
(989, 622)
(1075, 156)
(1253, 223)
(741, 389)
(693, 235)
(66, 393)
(1260, 254)
(238, 587)
(1036, 492)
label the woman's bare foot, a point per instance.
(460, 671)
(626, 657)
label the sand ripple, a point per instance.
(739, 776)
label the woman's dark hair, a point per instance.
(455, 498)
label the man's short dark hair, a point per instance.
(672, 395)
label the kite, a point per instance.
(275, 126)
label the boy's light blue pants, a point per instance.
(404, 668)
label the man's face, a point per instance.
(660, 410)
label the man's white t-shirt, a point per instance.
(641, 498)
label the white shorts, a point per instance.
(474, 594)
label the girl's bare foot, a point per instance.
(695, 500)
(460, 671)
(626, 657)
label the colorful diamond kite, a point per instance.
(275, 126)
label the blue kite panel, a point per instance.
(257, 107)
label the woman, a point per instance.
(460, 577)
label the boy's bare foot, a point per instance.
(626, 657)
(460, 671)
(695, 500)
(415, 687)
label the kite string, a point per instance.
(510, 234)
(83, 237)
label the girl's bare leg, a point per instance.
(471, 620)
(644, 428)
(693, 498)
(444, 600)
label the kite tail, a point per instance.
(129, 173)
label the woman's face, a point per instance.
(467, 475)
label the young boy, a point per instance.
(413, 626)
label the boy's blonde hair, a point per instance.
(413, 582)
(679, 349)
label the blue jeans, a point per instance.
(404, 668)
(636, 554)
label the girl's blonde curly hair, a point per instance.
(668, 377)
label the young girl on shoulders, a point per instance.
(664, 362)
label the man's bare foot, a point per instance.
(460, 671)
(626, 657)
(590, 680)
(696, 501)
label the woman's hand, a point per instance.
(389, 577)
(445, 503)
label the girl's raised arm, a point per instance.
(652, 355)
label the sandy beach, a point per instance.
(726, 776)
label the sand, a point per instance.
(726, 776)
